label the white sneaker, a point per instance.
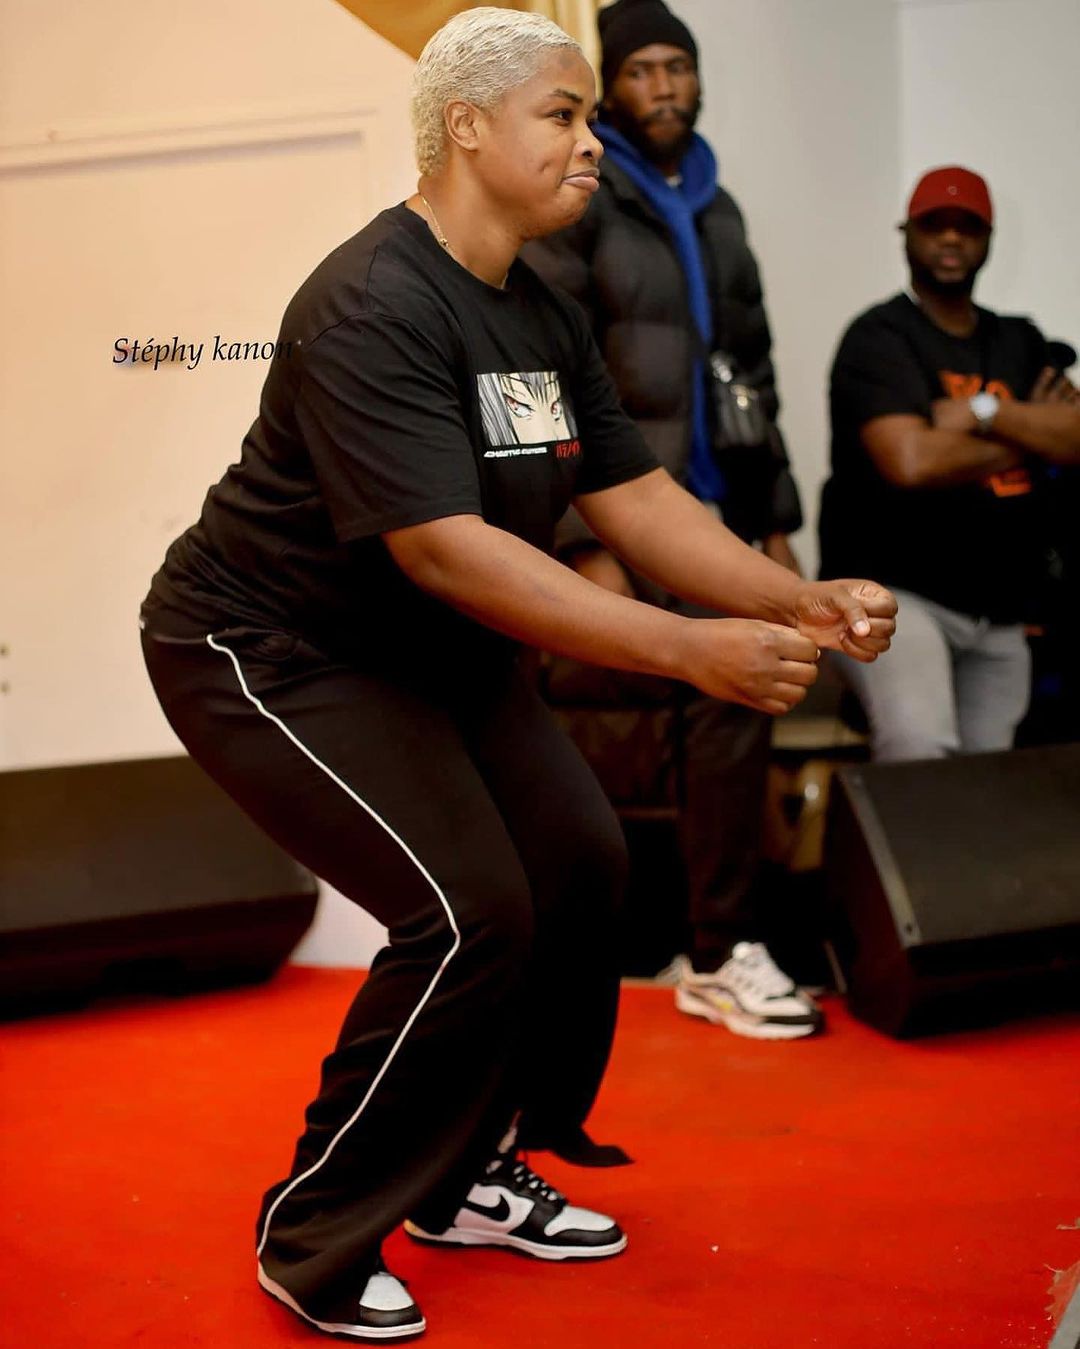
(383, 1310)
(749, 995)
(513, 1207)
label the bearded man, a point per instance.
(946, 418)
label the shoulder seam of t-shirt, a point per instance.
(854, 327)
(885, 309)
(346, 317)
(1022, 321)
(876, 318)
(367, 309)
(370, 315)
(894, 322)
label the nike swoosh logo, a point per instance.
(498, 1213)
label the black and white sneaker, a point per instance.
(749, 995)
(383, 1311)
(513, 1207)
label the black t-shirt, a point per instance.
(973, 548)
(404, 390)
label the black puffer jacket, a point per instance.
(620, 263)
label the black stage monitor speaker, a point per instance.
(137, 874)
(957, 883)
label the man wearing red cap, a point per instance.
(945, 416)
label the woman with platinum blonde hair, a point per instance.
(338, 642)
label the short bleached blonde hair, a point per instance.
(477, 57)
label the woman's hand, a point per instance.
(856, 617)
(743, 660)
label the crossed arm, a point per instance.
(947, 450)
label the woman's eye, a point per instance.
(517, 409)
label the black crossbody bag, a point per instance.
(745, 448)
(741, 423)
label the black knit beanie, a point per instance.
(628, 25)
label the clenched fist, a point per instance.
(856, 617)
(743, 660)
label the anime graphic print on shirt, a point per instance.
(525, 412)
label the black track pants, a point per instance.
(725, 766)
(454, 811)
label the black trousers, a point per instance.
(724, 765)
(451, 808)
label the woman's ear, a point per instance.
(461, 120)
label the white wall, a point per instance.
(800, 106)
(164, 170)
(995, 85)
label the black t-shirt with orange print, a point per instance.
(975, 548)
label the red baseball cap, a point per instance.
(953, 187)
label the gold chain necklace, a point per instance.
(444, 241)
(435, 221)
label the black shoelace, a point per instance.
(525, 1181)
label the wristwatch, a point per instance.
(984, 408)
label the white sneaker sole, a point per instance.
(338, 1327)
(457, 1236)
(737, 1021)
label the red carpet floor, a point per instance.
(848, 1192)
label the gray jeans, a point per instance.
(949, 684)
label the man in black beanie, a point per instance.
(628, 25)
(661, 264)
